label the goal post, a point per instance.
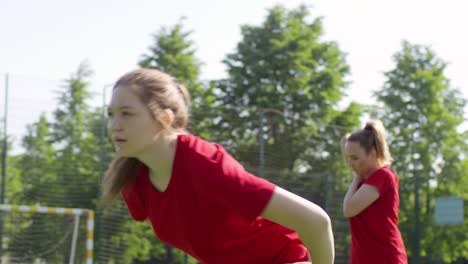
(74, 212)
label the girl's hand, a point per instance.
(357, 177)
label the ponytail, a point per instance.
(373, 136)
(381, 146)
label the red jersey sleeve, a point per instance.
(382, 179)
(227, 182)
(134, 202)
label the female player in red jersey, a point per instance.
(372, 200)
(195, 195)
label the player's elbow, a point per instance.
(325, 220)
(349, 212)
(321, 219)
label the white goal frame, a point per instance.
(77, 212)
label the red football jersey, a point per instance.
(375, 237)
(211, 208)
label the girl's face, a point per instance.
(361, 163)
(131, 125)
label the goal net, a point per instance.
(37, 235)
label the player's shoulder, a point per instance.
(386, 172)
(197, 149)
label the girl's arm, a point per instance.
(311, 223)
(356, 199)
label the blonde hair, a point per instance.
(159, 91)
(373, 136)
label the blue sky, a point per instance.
(43, 42)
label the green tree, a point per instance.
(36, 163)
(35, 175)
(283, 65)
(424, 113)
(77, 148)
(13, 186)
(12, 191)
(59, 168)
(173, 52)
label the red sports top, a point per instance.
(375, 237)
(211, 208)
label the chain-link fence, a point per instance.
(57, 159)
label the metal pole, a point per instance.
(416, 242)
(5, 143)
(4, 155)
(262, 147)
(416, 238)
(74, 239)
